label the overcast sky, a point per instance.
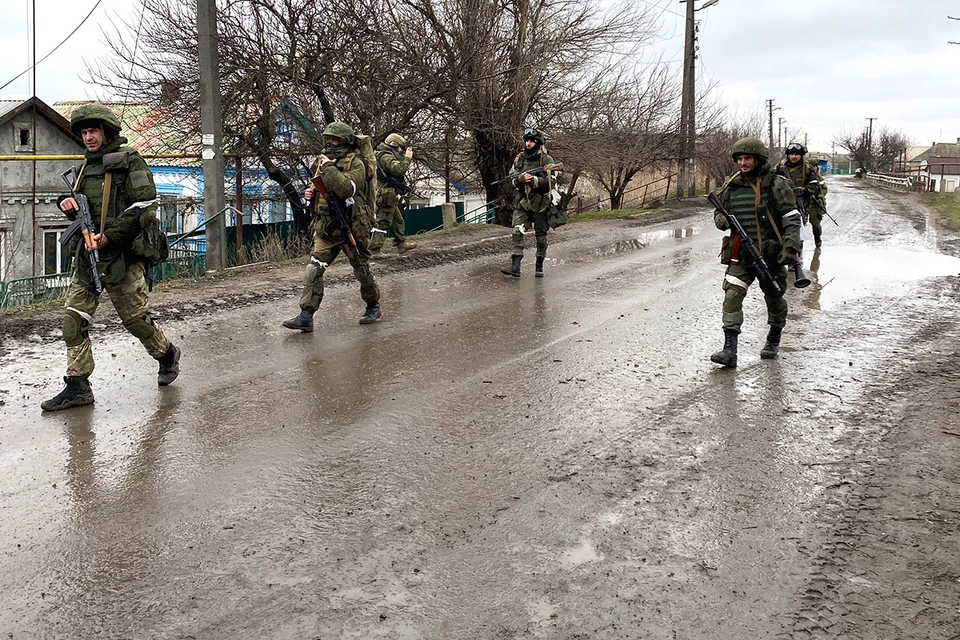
(827, 63)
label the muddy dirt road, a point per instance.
(501, 459)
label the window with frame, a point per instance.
(22, 137)
(168, 215)
(55, 257)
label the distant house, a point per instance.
(937, 167)
(939, 174)
(177, 169)
(30, 222)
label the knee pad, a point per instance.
(142, 327)
(75, 325)
(542, 243)
(315, 269)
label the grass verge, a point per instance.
(946, 206)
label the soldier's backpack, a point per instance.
(366, 153)
(150, 245)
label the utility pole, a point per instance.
(686, 169)
(786, 136)
(780, 122)
(687, 166)
(212, 129)
(806, 141)
(870, 141)
(770, 119)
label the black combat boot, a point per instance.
(169, 366)
(772, 346)
(302, 322)
(76, 394)
(728, 355)
(372, 314)
(539, 270)
(514, 268)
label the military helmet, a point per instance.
(396, 140)
(342, 131)
(796, 147)
(533, 134)
(92, 114)
(749, 146)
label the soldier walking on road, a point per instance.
(346, 179)
(393, 161)
(120, 190)
(809, 187)
(533, 201)
(762, 201)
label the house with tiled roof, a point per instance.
(30, 222)
(174, 159)
(936, 167)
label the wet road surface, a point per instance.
(497, 458)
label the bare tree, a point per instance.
(889, 148)
(715, 142)
(625, 128)
(857, 145)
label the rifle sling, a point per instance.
(107, 186)
(756, 205)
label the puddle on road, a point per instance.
(581, 554)
(841, 272)
(644, 240)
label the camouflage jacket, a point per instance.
(131, 182)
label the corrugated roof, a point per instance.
(6, 106)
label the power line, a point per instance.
(77, 28)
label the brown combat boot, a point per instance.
(405, 246)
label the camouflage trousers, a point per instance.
(523, 220)
(325, 251)
(389, 218)
(736, 281)
(816, 218)
(129, 298)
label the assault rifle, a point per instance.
(341, 215)
(823, 207)
(83, 224)
(397, 184)
(538, 171)
(767, 282)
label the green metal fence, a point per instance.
(24, 291)
(181, 263)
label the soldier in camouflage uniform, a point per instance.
(808, 185)
(344, 175)
(762, 201)
(393, 160)
(130, 203)
(532, 200)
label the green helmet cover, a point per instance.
(751, 146)
(86, 114)
(341, 130)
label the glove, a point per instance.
(798, 191)
(721, 221)
(813, 188)
(788, 256)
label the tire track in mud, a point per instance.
(890, 567)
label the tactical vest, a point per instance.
(741, 202)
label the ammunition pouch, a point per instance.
(557, 216)
(118, 160)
